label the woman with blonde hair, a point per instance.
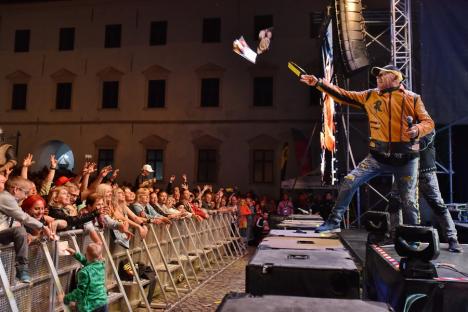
(120, 205)
(60, 208)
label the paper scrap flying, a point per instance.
(241, 47)
(265, 38)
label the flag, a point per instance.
(303, 156)
(328, 130)
(284, 160)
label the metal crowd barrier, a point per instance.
(182, 255)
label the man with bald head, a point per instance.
(16, 190)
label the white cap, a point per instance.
(147, 168)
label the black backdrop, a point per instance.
(444, 59)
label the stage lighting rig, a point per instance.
(417, 246)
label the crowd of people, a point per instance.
(34, 205)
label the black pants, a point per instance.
(18, 236)
(104, 308)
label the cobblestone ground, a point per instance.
(209, 296)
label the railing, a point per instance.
(181, 254)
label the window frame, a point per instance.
(211, 35)
(263, 163)
(62, 44)
(109, 36)
(18, 45)
(214, 166)
(255, 95)
(14, 94)
(148, 97)
(153, 34)
(158, 174)
(100, 159)
(57, 95)
(218, 95)
(103, 93)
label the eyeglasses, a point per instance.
(25, 191)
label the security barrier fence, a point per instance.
(181, 254)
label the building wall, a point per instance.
(236, 125)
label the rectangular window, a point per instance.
(67, 39)
(156, 93)
(154, 157)
(262, 22)
(263, 91)
(105, 158)
(316, 20)
(158, 33)
(110, 94)
(19, 95)
(22, 37)
(113, 36)
(63, 95)
(262, 166)
(211, 30)
(207, 165)
(210, 92)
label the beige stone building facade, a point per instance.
(132, 82)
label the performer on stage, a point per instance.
(429, 189)
(393, 140)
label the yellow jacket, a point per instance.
(387, 111)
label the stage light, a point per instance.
(417, 246)
(377, 223)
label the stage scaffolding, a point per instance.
(399, 20)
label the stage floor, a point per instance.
(355, 241)
(458, 261)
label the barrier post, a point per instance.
(228, 230)
(114, 269)
(137, 277)
(200, 243)
(7, 288)
(54, 274)
(163, 258)
(166, 227)
(153, 265)
(185, 250)
(215, 243)
(231, 246)
(196, 250)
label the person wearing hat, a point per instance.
(144, 178)
(394, 139)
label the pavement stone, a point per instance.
(208, 297)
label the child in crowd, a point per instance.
(90, 293)
(34, 206)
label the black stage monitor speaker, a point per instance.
(306, 273)
(351, 34)
(236, 302)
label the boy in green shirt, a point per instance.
(90, 293)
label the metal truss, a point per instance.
(401, 38)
